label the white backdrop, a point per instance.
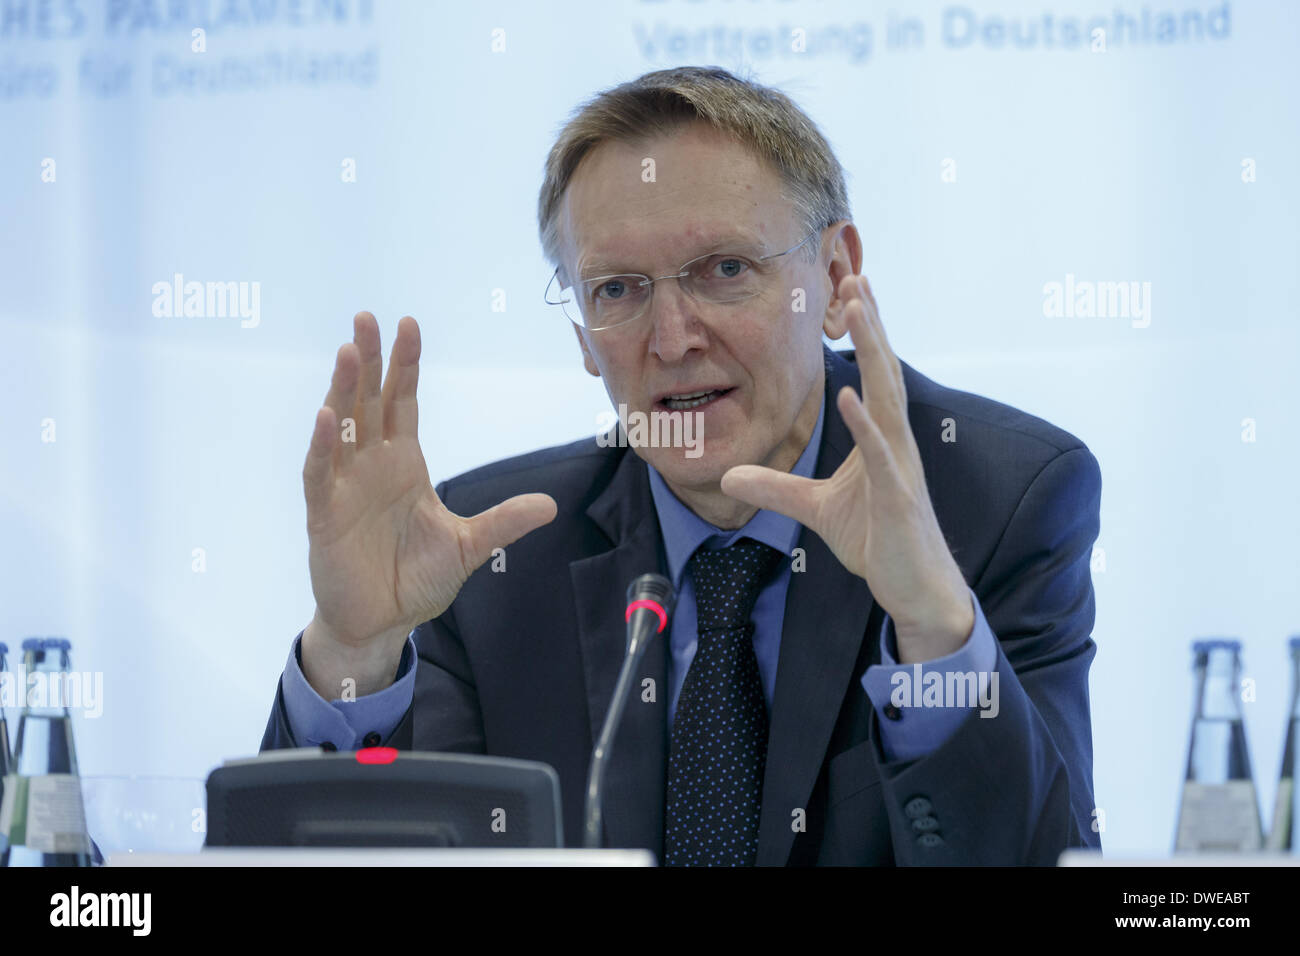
(987, 155)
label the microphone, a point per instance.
(649, 604)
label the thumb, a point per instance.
(505, 524)
(773, 490)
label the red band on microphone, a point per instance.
(376, 755)
(652, 605)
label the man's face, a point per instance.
(760, 359)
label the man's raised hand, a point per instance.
(385, 554)
(875, 512)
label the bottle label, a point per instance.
(45, 813)
(7, 806)
(1277, 837)
(1218, 817)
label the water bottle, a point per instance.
(1285, 834)
(1219, 809)
(43, 811)
(6, 760)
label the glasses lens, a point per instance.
(557, 293)
(613, 300)
(569, 304)
(724, 277)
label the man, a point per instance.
(853, 542)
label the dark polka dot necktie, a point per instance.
(718, 748)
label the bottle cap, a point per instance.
(1205, 645)
(4, 648)
(46, 644)
(1294, 642)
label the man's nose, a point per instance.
(676, 324)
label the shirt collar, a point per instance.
(684, 531)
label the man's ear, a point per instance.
(845, 260)
(587, 360)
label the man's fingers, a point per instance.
(882, 377)
(774, 490)
(505, 524)
(884, 390)
(369, 410)
(342, 398)
(877, 366)
(866, 435)
(878, 327)
(318, 471)
(401, 412)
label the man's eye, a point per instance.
(613, 289)
(727, 267)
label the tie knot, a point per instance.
(727, 582)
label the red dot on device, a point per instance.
(376, 755)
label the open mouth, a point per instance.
(688, 400)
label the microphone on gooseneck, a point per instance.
(649, 604)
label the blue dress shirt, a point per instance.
(910, 733)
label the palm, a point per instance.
(384, 533)
(843, 514)
(848, 510)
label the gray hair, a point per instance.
(760, 117)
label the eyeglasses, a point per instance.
(716, 278)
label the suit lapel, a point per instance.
(826, 612)
(634, 781)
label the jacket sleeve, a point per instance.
(445, 698)
(1013, 784)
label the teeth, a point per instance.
(684, 403)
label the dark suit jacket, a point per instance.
(523, 664)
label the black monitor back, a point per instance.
(383, 798)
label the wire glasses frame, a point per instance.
(729, 290)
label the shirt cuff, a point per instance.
(344, 724)
(918, 713)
